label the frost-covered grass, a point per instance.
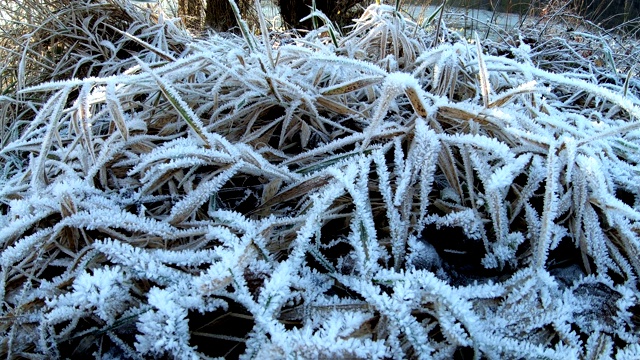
(391, 192)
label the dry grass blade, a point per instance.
(116, 110)
(417, 102)
(54, 107)
(506, 96)
(351, 85)
(265, 33)
(292, 192)
(335, 106)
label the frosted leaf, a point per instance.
(423, 255)
(115, 218)
(424, 156)
(497, 148)
(182, 209)
(104, 293)
(140, 263)
(550, 207)
(468, 220)
(164, 329)
(399, 225)
(503, 177)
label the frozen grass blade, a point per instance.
(155, 50)
(54, 108)
(184, 208)
(625, 87)
(314, 20)
(178, 104)
(265, 33)
(244, 28)
(83, 117)
(116, 110)
(503, 98)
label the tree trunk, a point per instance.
(192, 13)
(219, 15)
(294, 10)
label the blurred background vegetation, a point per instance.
(217, 14)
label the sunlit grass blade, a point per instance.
(483, 74)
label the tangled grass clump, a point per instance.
(396, 192)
